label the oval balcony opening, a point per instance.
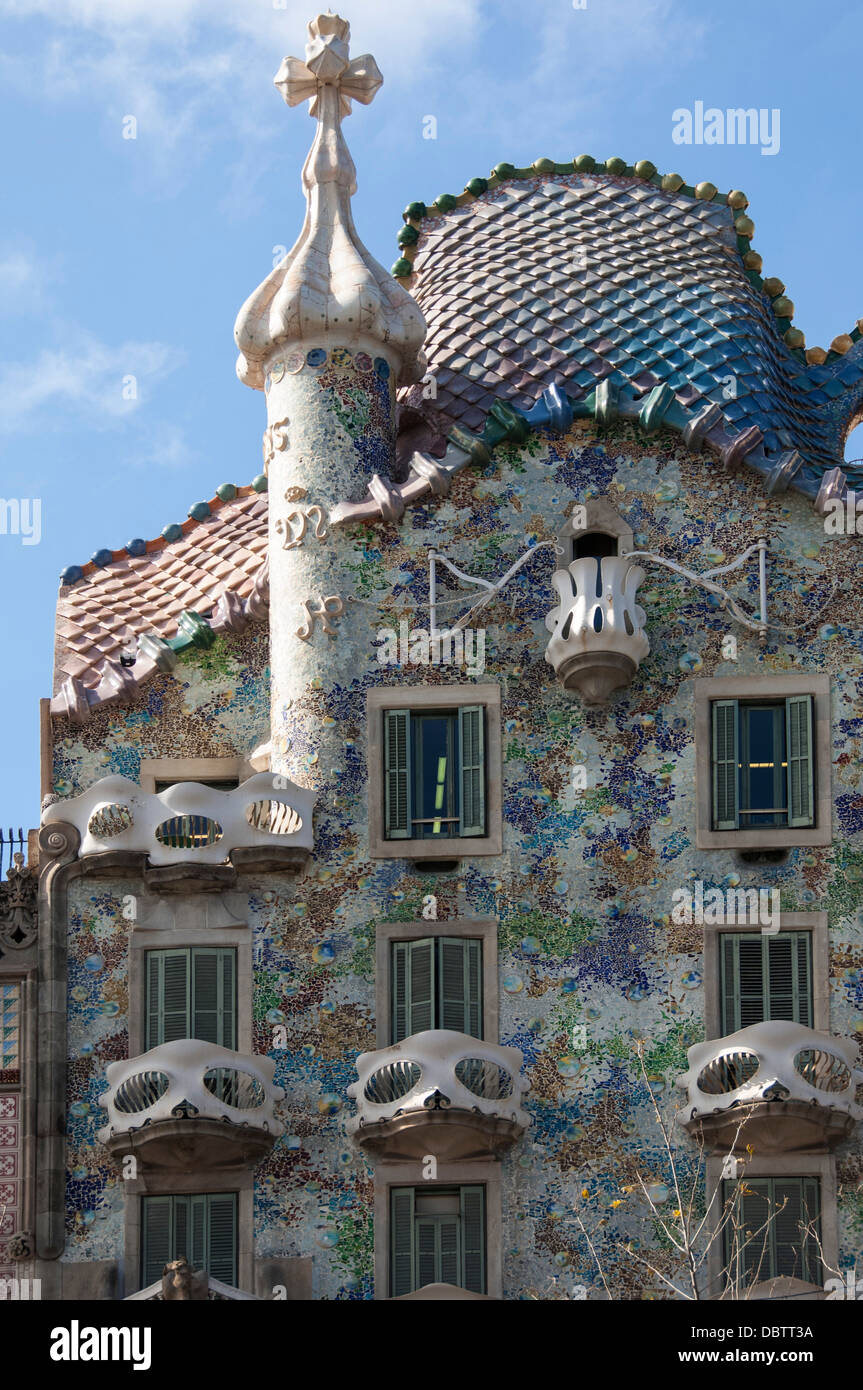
(108, 821)
(140, 1092)
(235, 1088)
(392, 1082)
(188, 832)
(823, 1070)
(273, 818)
(728, 1072)
(485, 1079)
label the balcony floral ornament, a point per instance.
(598, 639)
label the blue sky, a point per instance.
(127, 257)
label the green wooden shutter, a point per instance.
(726, 814)
(798, 743)
(221, 1236)
(426, 1241)
(460, 985)
(154, 1008)
(789, 977)
(213, 995)
(156, 1238)
(402, 1246)
(397, 788)
(399, 991)
(751, 1227)
(421, 986)
(471, 736)
(751, 987)
(170, 1010)
(473, 1239)
(448, 1250)
(729, 989)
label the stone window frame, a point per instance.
(435, 697)
(159, 1182)
(142, 939)
(820, 1165)
(485, 929)
(470, 1172)
(773, 686)
(815, 923)
(155, 770)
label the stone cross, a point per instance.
(328, 65)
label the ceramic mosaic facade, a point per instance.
(583, 890)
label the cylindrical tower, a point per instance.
(328, 336)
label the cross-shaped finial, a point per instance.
(328, 65)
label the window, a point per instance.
(434, 773)
(192, 993)
(765, 977)
(10, 1032)
(763, 763)
(594, 544)
(436, 983)
(437, 1236)
(201, 1226)
(775, 1229)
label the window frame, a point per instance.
(814, 922)
(189, 1197)
(173, 770)
(484, 929)
(763, 689)
(435, 1223)
(425, 699)
(466, 1173)
(191, 951)
(437, 975)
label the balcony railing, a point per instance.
(598, 638)
(468, 1091)
(190, 822)
(774, 1087)
(192, 1101)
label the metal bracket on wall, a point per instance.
(704, 581)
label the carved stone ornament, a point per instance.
(329, 607)
(21, 1246)
(18, 906)
(183, 1284)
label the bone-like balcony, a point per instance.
(191, 1104)
(264, 823)
(439, 1092)
(598, 638)
(775, 1087)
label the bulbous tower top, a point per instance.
(329, 284)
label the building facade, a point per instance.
(448, 880)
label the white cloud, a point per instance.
(101, 384)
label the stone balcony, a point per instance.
(598, 638)
(190, 837)
(441, 1093)
(189, 1105)
(774, 1087)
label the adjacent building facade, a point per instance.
(448, 880)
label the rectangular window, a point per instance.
(10, 1033)
(765, 977)
(201, 1226)
(192, 993)
(763, 763)
(437, 1236)
(772, 1228)
(436, 983)
(434, 774)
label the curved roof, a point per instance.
(557, 276)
